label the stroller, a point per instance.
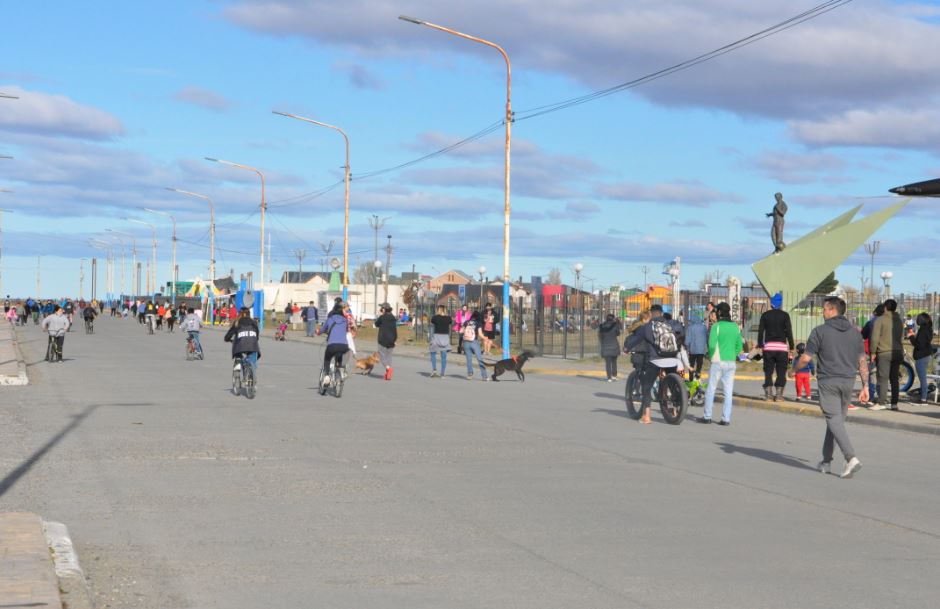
(281, 332)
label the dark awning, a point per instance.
(930, 188)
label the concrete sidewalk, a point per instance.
(12, 366)
(27, 574)
(918, 418)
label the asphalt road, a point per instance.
(427, 493)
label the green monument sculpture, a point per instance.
(796, 270)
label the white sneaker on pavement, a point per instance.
(851, 467)
(878, 407)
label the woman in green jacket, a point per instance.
(724, 345)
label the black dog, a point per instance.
(514, 363)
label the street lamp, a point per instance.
(263, 208)
(377, 265)
(886, 279)
(109, 270)
(173, 270)
(211, 227)
(346, 179)
(577, 275)
(482, 270)
(153, 230)
(123, 259)
(506, 204)
(1, 242)
(133, 259)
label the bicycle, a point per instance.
(669, 390)
(337, 378)
(696, 388)
(89, 326)
(53, 350)
(243, 377)
(193, 349)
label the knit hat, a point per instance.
(776, 301)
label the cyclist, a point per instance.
(191, 324)
(243, 334)
(89, 313)
(56, 325)
(69, 308)
(150, 313)
(655, 347)
(335, 328)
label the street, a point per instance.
(444, 493)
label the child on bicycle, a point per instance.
(335, 328)
(191, 325)
(56, 325)
(243, 334)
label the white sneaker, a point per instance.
(434, 374)
(610, 380)
(878, 407)
(326, 380)
(851, 467)
(824, 467)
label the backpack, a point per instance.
(664, 339)
(470, 331)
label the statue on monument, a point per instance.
(776, 232)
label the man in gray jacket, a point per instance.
(887, 352)
(840, 356)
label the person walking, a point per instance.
(388, 336)
(923, 350)
(462, 316)
(887, 352)
(696, 342)
(472, 334)
(724, 345)
(840, 356)
(608, 332)
(802, 374)
(775, 340)
(312, 316)
(440, 340)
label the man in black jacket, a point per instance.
(775, 339)
(388, 336)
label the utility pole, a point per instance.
(645, 270)
(872, 249)
(861, 280)
(94, 279)
(269, 258)
(388, 264)
(376, 223)
(81, 280)
(300, 254)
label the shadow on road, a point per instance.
(616, 413)
(766, 455)
(12, 478)
(612, 396)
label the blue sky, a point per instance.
(120, 100)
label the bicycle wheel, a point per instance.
(321, 388)
(673, 398)
(633, 395)
(906, 377)
(189, 350)
(199, 353)
(248, 380)
(338, 381)
(50, 351)
(236, 381)
(698, 398)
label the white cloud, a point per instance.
(204, 98)
(802, 168)
(56, 115)
(891, 127)
(681, 192)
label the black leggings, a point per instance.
(337, 351)
(775, 361)
(610, 362)
(696, 361)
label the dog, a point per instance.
(512, 364)
(366, 364)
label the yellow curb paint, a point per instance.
(599, 373)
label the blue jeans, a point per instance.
(471, 348)
(311, 327)
(443, 361)
(720, 372)
(252, 360)
(921, 365)
(195, 336)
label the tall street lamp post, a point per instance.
(173, 270)
(506, 204)
(133, 259)
(123, 260)
(886, 278)
(482, 270)
(211, 226)
(151, 287)
(346, 180)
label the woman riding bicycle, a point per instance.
(335, 328)
(243, 334)
(652, 355)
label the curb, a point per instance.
(73, 587)
(812, 410)
(21, 377)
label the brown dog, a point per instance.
(366, 364)
(514, 364)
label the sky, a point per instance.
(119, 101)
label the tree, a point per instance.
(363, 274)
(554, 276)
(827, 285)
